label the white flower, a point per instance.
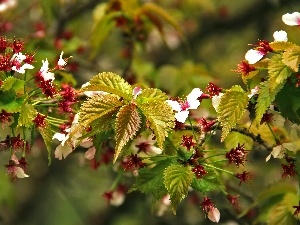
(292, 19)
(20, 172)
(253, 91)
(164, 205)
(44, 71)
(214, 215)
(280, 36)
(216, 100)
(7, 4)
(118, 198)
(144, 144)
(253, 56)
(61, 62)
(91, 93)
(277, 152)
(17, 60)
(182, 108)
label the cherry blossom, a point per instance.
(144, 145)
(17, 60)
(164, 205)
(61, 62)
(44, 71)
(280, 36)
(182, 107)
(4, 5)
(291, 19)
(136, 91)
(214, 215)
(216, 100)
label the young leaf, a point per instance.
(151, 94)
(9, 102)
(265, 98)
(231, 108)
(280, 46)
(27, 114)
(235, 138)
(111, 83)
(96, 107)
(206, 184)
(177, 179)
(278, 71)
(47, 135)
(291, 58)
(128, 123)
(160, 117)
(151, 181)
(12, 83)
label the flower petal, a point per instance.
(214, 215)
(253, 56)
(181, 116)
(280, 36)
(194, 95)
(20, 172)
(174, 105)
(90, 153)
(292, 19)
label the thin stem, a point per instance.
(116, 181)
(217, 168)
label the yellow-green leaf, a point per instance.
(27, 114)
(177, 179)
(96, 107)
(47, 135)
(231, 108)
(12, 83)
(280, 46)
(291, 58)
(278, 71)
(234, 138)
(265, 97)
(111, 83)
(160, 117)
(151, 94)
(128, 123)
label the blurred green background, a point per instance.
(216, 37)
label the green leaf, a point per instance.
(27, 114)
(111, 83)
(177, 179)
(291, 58)
(288, 102)
(12, 83)
(278, 71)
(234, 138)
(103, 25)
(9, 102)
(231, 108)
(265, 97)
(160, 117)
(151, 180)
(128, 123)
(47, 135)
(206, 184)
(96, 107)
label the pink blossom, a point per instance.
(214, 215)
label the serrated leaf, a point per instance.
(160, 117)
(177, 179)
(288, 102)
(151, 180)
(128, 123)
(280, 46)
(12, 83)
(278, 71)
(291, 58)
(111, 83)
(27, 114)
(265, 97)
(231, 108)
(96, 107)
(47, 135)
(206, 184)
(151, 94)
(9, 102)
